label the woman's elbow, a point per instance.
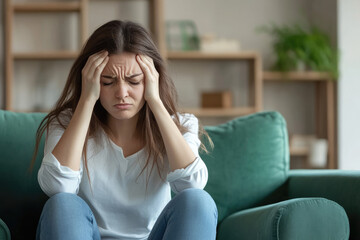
(51, 185)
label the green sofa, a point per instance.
(257, 196)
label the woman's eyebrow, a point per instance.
(113, 76)
(134, 75)
(107, 76)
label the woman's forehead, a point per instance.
(122, 60)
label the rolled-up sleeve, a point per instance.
(52, 176)
(196, 174)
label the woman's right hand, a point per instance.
(91, 76)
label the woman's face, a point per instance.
(122, 86)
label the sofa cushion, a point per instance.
(301, 218)
(20, 194)
(249, 162)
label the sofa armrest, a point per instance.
(4, 231)
(341, 186)
(301, 218)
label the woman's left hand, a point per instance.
(151, 78)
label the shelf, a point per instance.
(219, 112)
(198, 55)
(297, 76)
(47, 7)
(46, 55)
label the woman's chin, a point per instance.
(123, 115)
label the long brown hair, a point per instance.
(117, 37)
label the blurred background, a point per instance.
(227, 58)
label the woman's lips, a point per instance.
(122, 106)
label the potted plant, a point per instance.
(300, 49)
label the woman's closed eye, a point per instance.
(107, 83)
(134, 82)
(107, 80)
(135, 79)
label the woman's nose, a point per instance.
(121, 90)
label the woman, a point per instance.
(116, 146)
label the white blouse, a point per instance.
(125, 203)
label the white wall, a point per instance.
(323, 14)
(239, 18)
(349, 84)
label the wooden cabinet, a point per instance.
(325, 106)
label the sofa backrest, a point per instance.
(249, 162)
(20, 195)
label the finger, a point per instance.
(98, 58)
(100, 68)
(144, 67)
(150, 63)
(93, 61)
(88, 64)
(93, 57)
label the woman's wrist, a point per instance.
(87, 102)
(154, 103)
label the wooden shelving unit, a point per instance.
(255, 83)
(325, 106)
(11, 9)
(77, 6)
(156, 27)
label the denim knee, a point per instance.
(65, 205)
(196, 201)
(63, 199)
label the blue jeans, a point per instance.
(191, 214)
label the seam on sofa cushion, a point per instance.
(276, 223)
(285, 153)
(5, 230)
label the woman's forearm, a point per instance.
(69, 149)
(178, 150)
